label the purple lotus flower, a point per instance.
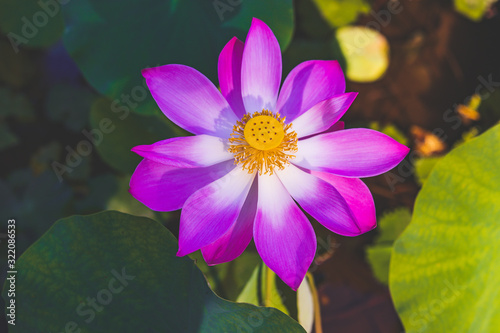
(255, 152)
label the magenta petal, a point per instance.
(188, 152)
(308, 84)
(283, 235)
(165, 188)
(261, 68)
(212, 210)
(229, 69)
(355, 152)
(320, 199)
(236, 239)
(190, 100)
(358, 197)
(339, 125)
(323, 115)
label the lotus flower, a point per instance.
(257, 150)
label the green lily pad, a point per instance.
(31, 23)
(116, 130)
(444, 274)
(366, 52)
(113, 272)
(390, 226)
(112, 43)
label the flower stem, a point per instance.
(269, 286)
(317, 313)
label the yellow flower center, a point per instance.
(262, 142)
(264, 132)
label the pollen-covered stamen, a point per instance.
(262, 141)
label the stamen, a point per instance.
(275, 148)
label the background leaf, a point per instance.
(341, 12)
(444, 274)
(40, 23)
(473, 9)
(390, 130)
(7, 138)
(127, 266)
(36, 200)
(366, 52)
(15, 105)
(255, 290)
(228, 279)
(16, 69)
(70, 104)
(424, 166)
(390, 226)
(126, 130)
(111, 51)
(298, 305)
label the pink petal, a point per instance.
(339, 125)
(358, 197)
(320, 199)
(355, 152)
(261, 68)
(190, 100)
(212, 210)
(323, 115)
(189, 152)
(165, 188)
(308, 84)
(236, 239)
(229, 69)
(283, 235)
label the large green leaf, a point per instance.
(111, 42)
(113, 272)
(445, 267)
